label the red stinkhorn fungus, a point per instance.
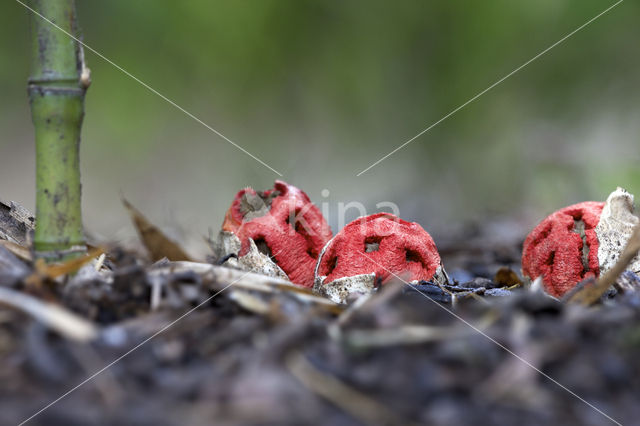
(382, 244)
(284, 224)
(563, 248)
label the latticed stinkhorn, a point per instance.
(284, 224)
(578, 242)
(380, 244)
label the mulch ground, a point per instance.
(474, 353)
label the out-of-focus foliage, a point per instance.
(321, 89)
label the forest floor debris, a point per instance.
(259, 350)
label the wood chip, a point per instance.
(16, 223)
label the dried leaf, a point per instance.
(18, 250)
(55, 270)
(158, 245)
(44, 271)
(507, 277)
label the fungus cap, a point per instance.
(382, 244)
(563, 248)
(284, 223)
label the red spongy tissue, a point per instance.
(289, 227)
(563, 248)
(382, 244)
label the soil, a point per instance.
(182, 347)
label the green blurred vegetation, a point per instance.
(321, 89)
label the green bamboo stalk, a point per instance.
(57, 87)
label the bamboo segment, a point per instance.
(57, 88)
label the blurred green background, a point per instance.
(319, 90)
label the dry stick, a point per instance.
(590, 294)
(411, 334)
(351, 400)
(53, 316)
(213, 274)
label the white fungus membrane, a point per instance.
(614, 229)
